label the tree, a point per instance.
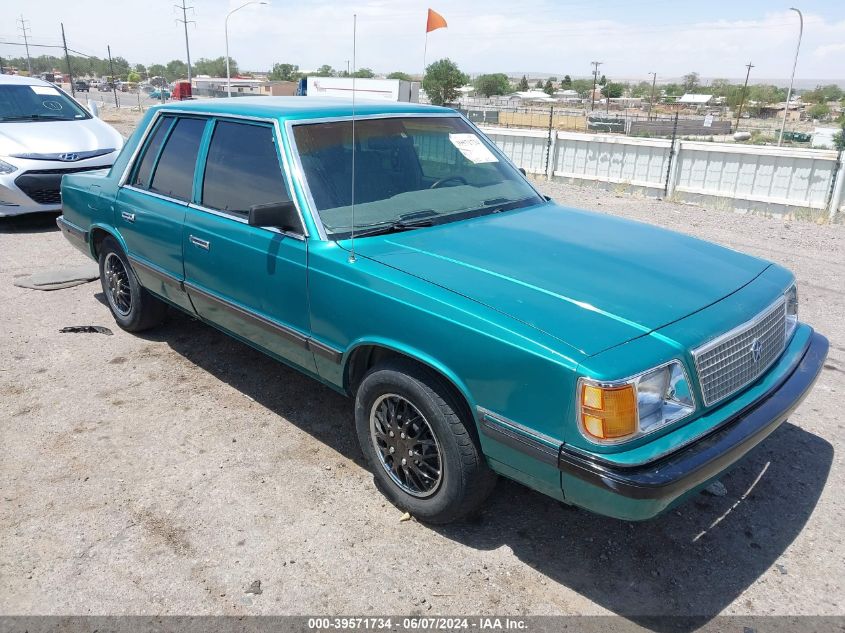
(324, 71)
(603, 80)
(177, 69)
(156, 70)
(566, 84)
(612, 90)
(284, 72)
(133, 77)
(823, 94)
(523, 84)
(819, 111)
(364, 73)
(549, 87)
(839, 139)
(442, 80)
(216, 67)
(538, 85)
(398, 74)
(690, 82)
(582, 87)
(642, 89)
(495, 84)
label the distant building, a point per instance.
(775, 111)
(695, 99)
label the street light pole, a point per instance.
(226, 29)
(792, 80)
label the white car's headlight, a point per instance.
(619, 411)
(6, 168)
(791, 310)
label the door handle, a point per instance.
(203, 244)
(126, 215)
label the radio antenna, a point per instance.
(354, 33)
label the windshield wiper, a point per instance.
(32, 117)
(396, 226)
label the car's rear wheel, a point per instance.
(419, 443)
(133, 307)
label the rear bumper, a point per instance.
(641, 492)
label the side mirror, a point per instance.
(279, 215)
(522, 171)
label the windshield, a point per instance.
(37, 103)
(408, 170)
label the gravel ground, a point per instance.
(165, 473)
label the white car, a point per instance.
(45, 134)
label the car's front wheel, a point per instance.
(422, 449)
(133, 307)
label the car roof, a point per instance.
(23, 81)
(299, 107)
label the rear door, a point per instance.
(248, 280)
(151, 205)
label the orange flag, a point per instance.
(435, 21)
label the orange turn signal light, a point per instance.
(608, 412)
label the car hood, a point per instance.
(590, 280)
(51, 137)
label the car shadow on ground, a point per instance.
(44, 222)
(692, 561)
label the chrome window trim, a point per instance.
(697, 352)
(306, 189)
(239, 218)
(217, 116)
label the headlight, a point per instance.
(614, 412)
(6, 168)
(791, 310)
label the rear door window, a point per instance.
(174, 173)
(242, 168)
(145, 167)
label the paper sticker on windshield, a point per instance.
(45, 90)
(472, 148)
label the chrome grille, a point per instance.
(728, 363)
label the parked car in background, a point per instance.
(481, 329)
(80, 85)
(45, 134)
(105, 86)
(162, 94)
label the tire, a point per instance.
(134, 308)
(423, 404)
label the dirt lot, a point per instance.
(165, 473)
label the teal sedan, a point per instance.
(393, 253)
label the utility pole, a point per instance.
(749, 66)
(23, 28)
(347, 68)
(651, 101)
(111, 72)
(67, 59)
(595, 83)
(185, 21)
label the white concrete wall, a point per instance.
(742, 177)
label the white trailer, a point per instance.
(371, 89)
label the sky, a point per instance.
(542, 37)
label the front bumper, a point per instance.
(643, 491)
(35, 186)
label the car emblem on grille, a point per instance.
(70, 157)
(756, 349)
